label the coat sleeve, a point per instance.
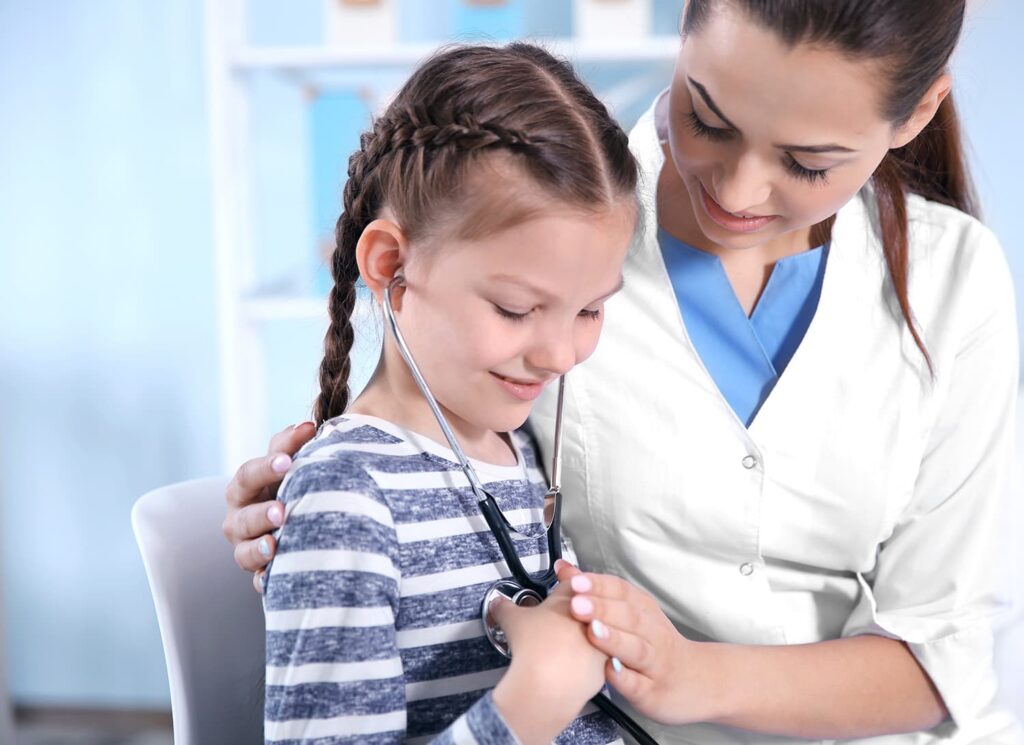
(938, 583)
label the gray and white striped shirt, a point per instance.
(373, 600)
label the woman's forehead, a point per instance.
(759, 81)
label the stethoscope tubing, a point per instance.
(492, 513)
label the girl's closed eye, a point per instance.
(511, 315)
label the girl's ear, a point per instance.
(381, 251)
(926, 108)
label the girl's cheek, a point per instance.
(587, 343)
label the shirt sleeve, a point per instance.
(938, 583)
(334, 672)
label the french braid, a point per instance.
(459, 106)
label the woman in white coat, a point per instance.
(794, 431)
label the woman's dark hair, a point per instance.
(911, 41)
(516, 107)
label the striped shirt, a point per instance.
(373, 601)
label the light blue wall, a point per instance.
(108, 350)
(108, 354)
(988, 69)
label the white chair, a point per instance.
(211, 619)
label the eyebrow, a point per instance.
(830, 147)
(518, 281)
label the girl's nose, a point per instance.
(555, 351)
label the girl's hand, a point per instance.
(554, 671)
(662, 674)
(249, 520)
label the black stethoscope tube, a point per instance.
(499, 527)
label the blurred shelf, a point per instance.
(300, 59)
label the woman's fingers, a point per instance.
(631, 644)
(611, 587)
(291, 439)
(254, 555)
(565, 571)
(633, 685)
(257, 480)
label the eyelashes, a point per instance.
(701, 129)
(806, 174)
(591, 315)
(514, 317)
(717, 134)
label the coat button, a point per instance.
(746, 569)
(749, 462)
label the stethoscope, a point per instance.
(521, 588)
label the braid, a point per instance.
(359, 195)
(413, 127)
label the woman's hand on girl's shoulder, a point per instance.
(659, 671)
(249, 520)
(554, 671)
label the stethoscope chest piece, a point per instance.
(511, 591)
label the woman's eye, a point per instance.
(510, 315)
(701, 129)
(591, 315)
(806, 174)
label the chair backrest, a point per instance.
(211, 619)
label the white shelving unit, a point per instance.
(243, 311)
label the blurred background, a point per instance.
(170, 171)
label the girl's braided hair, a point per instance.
(462, 105)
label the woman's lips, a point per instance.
(728, 220)
(524, 391)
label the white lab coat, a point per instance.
(865, 496)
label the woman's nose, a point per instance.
(743, 185)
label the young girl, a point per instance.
(503, 194)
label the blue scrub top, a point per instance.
(744, 356)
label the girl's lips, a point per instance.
(728, 220)
(518, 389)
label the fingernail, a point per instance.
(264, 548)
(308, 421)
(582, 606)
(281, 463)
(599, 629)
(580, 583)
(616, 665)
(275, 514)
